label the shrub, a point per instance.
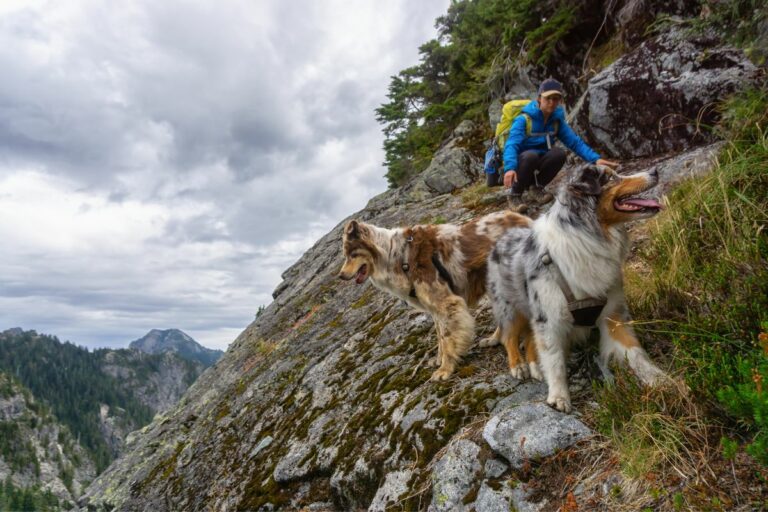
(708, 278)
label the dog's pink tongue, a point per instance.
(643, 202)
(361, 274)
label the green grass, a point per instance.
(652, 430)
(703, 278)
(471, 196)
(29, 498)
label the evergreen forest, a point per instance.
(69, 379)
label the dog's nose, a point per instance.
(654, 173)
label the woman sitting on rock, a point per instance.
(531, 159)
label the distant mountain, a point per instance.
(174, 340)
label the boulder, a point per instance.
(662, 96)
(633, 17)
(395, 485)
(532, 431)
(522, 86)
(454, 475)
(505, 497)
(453, 166)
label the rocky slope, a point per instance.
(159, 341)
(158, 381)
(37, 450)
(324, 400)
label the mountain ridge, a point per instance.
(158, 341)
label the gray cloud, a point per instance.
(208, 146)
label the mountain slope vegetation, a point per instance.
(70, 380)
(483, 44)
(706, 279)
(42, 467)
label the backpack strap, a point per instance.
(547, 135)
(528, 124)
(529, 131)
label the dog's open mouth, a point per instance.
(636, 204)
(362, 273)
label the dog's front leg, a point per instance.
(618, 340)
(438, 359)
(532, 357)
(551, 324)
(511, 339)
(457, 324)
(551, 351)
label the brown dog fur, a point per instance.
(440, 269)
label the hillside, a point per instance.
(42, 466)
(159, 341)
(156, 380)
(100, 396)
(324, 402)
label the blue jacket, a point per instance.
(517, 142)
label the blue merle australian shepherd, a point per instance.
(562, 275)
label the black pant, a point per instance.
(528, 163)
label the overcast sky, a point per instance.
(163, 162)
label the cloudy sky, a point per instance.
(161, 163)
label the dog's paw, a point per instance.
(519, 372)
(490, 341)
(434, 362)
(441, 374)
(560, 403)
(535, 371)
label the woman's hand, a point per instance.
(509, 178)
(606, 163)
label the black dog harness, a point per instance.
(406, 267)
(441, 270)
(585, 312)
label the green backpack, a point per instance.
(509, 112)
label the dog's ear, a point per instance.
(352, 230)
(606, 174)
(587, 181)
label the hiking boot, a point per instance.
(515, 202)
